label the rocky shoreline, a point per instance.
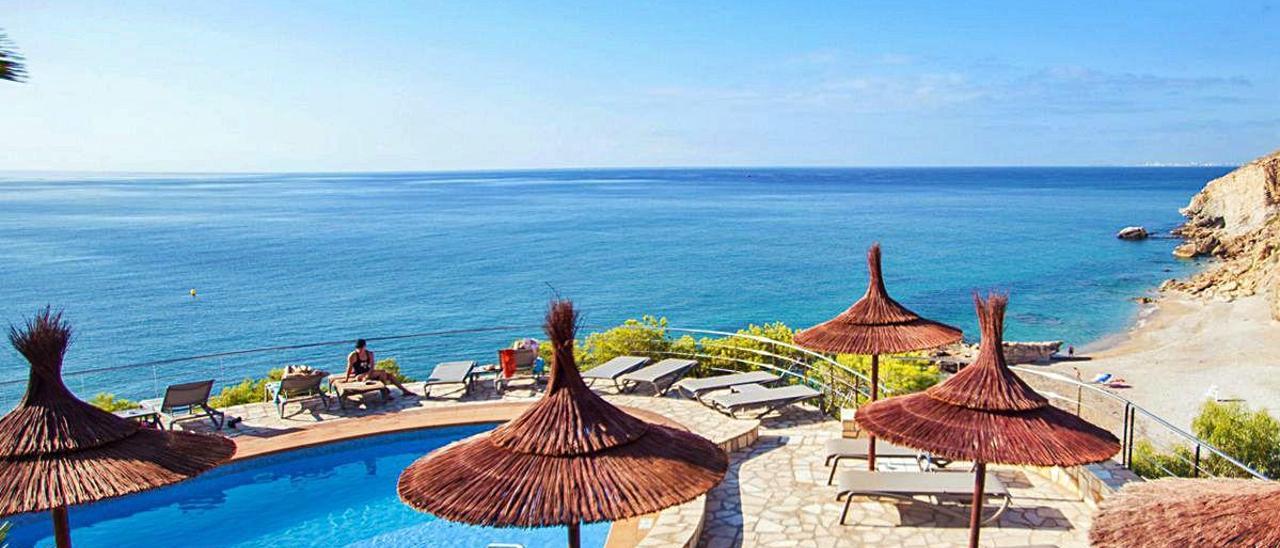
(1236, 221)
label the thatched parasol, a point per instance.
(875, 325)
(1189, 512)
(570, 458)
(985, 413)
(57, 451)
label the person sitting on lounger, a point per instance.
(360, 364)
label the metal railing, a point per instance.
(1134, 424)
(842, 386)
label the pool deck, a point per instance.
(774, 495)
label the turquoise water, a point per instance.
(280, 259)
(342, 494)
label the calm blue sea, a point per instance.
(282, 259)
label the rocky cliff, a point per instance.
(1235, 219)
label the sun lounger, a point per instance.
(296, 388)
(695, 388)
(613, 369)
(184, 402)
(345, 391)
(450, 373)
(906, 486)
(669, 370)
(753, 395)
(856, 448)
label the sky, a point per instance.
(392, 86)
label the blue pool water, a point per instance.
(342, 494)
(281, 259)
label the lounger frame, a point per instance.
(185, 402)
(672, 370)
(468, 368)
(769, 405)
(625, 365)
(923, 460)
(1006, 500)
(296, 389)
(727, 382)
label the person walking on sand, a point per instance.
(360, 364)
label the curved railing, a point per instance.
(417, 352)
(841, 385)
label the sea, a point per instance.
(468, 261)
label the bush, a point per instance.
(1251, 437)
(248, 391)
(1149, 462)
(745, 353)
(110, 403)
(897, 375)
(644, 337)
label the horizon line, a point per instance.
(4, 172)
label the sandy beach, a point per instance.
(1185, 347)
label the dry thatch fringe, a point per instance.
(56, 450)
(145, 460)
(986, 413)
(49, 418)
(571, 457)
(12, 67)
(570, 419)
(1176, 512)
(876, 324)
(478, 482)
(987, 383)
(1040, 437)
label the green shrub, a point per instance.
(1251, 437)
(898, 375)
(644, 337)
(745, 353)
(1149, 462)
(110, 403)
(247, 391)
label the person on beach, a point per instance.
(360, 364)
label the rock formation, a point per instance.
(1132, 233)
(1014, 352)
(1235, 219)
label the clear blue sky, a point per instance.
(314, 86)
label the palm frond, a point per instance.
(12, 64)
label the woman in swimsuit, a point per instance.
(360, 364)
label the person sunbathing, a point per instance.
(361, 366)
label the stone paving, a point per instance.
(776, 495)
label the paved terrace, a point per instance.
(774, 495)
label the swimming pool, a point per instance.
(340, 494)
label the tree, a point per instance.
(11, 67)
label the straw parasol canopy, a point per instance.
(57, 451)
(875, 325)
(985, 413)
(1189, 512)
(570, 458)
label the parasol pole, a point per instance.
(575, 536)
(875, 393)
(975, 516)
(61, 528)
